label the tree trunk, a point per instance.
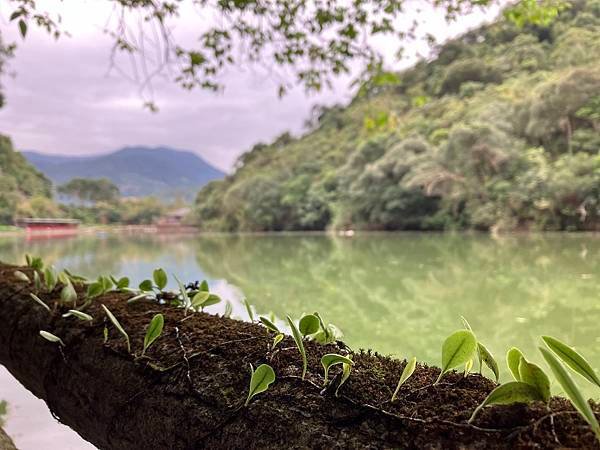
(189, 390)
(5, 442)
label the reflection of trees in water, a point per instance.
(94, 254)
(404, 293)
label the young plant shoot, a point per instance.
(331, 359)
(260, 380)
(408, 370)
(299, 343)
(118, 326)
(155, 329)
(51, 337)
(457, 350)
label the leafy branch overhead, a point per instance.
(310, 42)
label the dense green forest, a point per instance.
(23, 189)
(499, 129)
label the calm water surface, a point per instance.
(400, 294)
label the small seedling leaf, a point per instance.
(270, 325)
(277, 339)
(572, 391)
(261, 378)
(513, 359)
(508, 393)
(154, 331)
(249, 309)
(532, 374)
(68, 294)
(468, 367)
(309, 324)
(160, 278)
(118, 326)
(50, 278)
(146, 285)
(458, 348)
(331, 359)
(572, 359)
(298, 339)
(122, 283)
(184, 295)
(21, 276)
(80, 315)
(408, 370)
(39, 301)
(51, 337)
(204, 286)
(94, 290)
(199, 299)
(228, 309)
(488, 359)
(346, 368)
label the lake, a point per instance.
(400, 294)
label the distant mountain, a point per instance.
(137, 171)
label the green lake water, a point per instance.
(400, 294)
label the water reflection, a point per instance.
(398, 293)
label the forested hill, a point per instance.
(500, 130)
(137, 171)
(22, 188)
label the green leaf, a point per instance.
(408, 370)
(51, 337)
(23, 28)
(39, 301)
(21, 276)
(154, 331)
(68, 294)
(118, 326)
(309, 324)
(228, 309)
(270, 325)
(16, 14)
(571, 390)
(106, 283)
(50, 278)
(248, 309)
(204, 286)
(332, 359)
(199, 299)
(488, 359)
(37, 282)
(346, 368)
(94, 289)
(458, 348)
(277, 339)
(298, 339)
(122, 283)
(184, 295)
(261, 378)
(80, 315)
(146, 285)
(509, 393)
(532, 374)
(213, 299)
(513, 359)
(572, 359)
(160, 278)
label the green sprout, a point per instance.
(299, 343)
(39, 301)
(80, 315)
(572, 359)
(260, 380)
(155, 329)
(407, 372)
(51, 337)
(118, 326)
(331, 359)
(457, 350)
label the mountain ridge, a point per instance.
(138, 171)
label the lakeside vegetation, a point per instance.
(500, 130)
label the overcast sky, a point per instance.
(62, 100)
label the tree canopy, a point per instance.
(90, 190)
(498, 131)
(307, 42)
